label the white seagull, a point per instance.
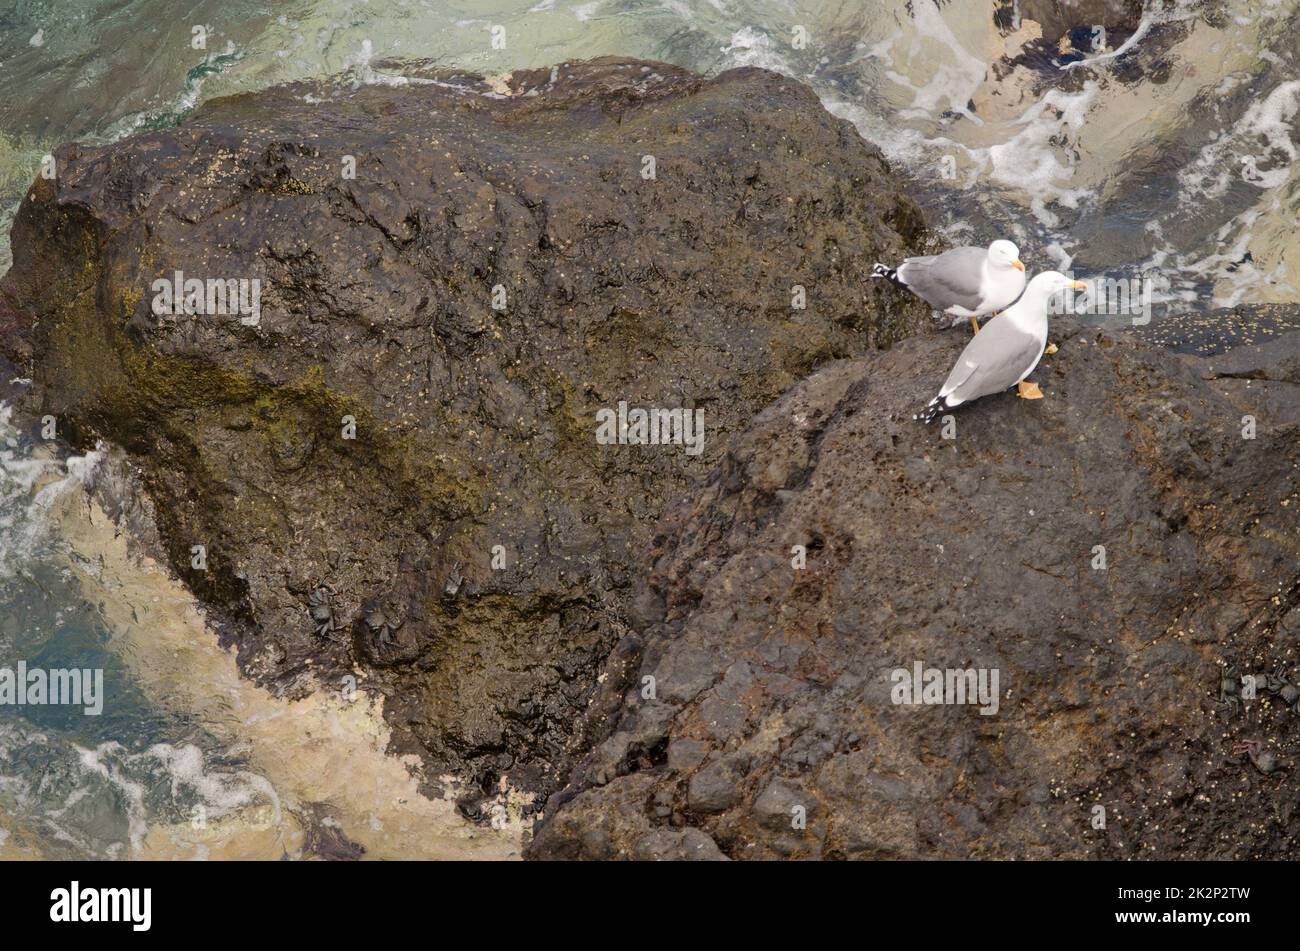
(1005, 352)
(963, 282)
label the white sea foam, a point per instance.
(678, 8)
(1033, 160)
(222, 792)
(30, 480)
(101, 762)
(956, 76)
(197, 788)
(1258, 148)
(753, 47)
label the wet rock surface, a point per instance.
(1227, 328)
(501, 266)
(762, 716)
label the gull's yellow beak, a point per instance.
(1079, 285)
(1018, 264)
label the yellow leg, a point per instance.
(974, 326)
(1028, 391)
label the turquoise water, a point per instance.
(85, 785)
(1174, 153)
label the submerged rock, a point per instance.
(385, 464)
(1111, 552)
(1061, 17)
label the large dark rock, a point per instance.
(475, 427)
(772, 686)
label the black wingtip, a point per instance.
(932, 411)
(888, 273)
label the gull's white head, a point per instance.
(1005, 254)
(1052, 282)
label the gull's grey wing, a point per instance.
(997, 357)
(948, 279)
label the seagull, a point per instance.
(964, 282)
(1006, 352)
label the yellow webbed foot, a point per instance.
(1051, 348)
(1028, 391)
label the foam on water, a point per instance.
(29, 485)
(1258, 149)
(1248, 174)
(104, 801)
(1033, 159)
(199, 794)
